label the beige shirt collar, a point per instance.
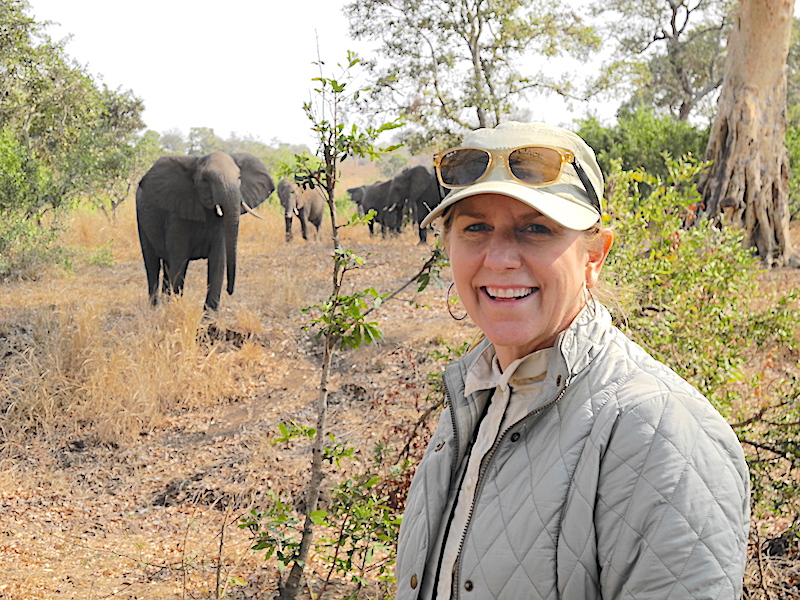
(486, 374)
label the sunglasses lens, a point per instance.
(535, 165)
(463, 166)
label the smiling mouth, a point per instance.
(509, 293)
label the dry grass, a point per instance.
(132, 437)
(99, 358)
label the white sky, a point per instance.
(245, 68)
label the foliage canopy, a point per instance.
(669, 54)
(64, 134)
(450, 66)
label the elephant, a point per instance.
(307, 205)
(419, 189)
(375, 197)
(187, 208)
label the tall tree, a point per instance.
(670, 53)
(449, 66)
(62, 119)
(173, 141)
(203, 140)
(747, 184)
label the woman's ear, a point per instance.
(599, 246)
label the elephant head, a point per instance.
(418, 187)
(200, 197)
(288, 197)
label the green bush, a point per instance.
(793, 146)
(19, 175)
(690, 294)
(27, 248)
(26, 245)
(640, 139)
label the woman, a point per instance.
(568, 463)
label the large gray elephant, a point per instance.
(187, 208)
(417, 188)
(307, 205)
(376, 197)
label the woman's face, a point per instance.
(518, 273)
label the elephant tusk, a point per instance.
(218, 208)
(250, 210)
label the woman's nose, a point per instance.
(502, 252)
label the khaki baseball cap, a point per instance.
(566, 201)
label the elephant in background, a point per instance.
(188, 208)
(307, 205)
(376, 197)
(418, 188)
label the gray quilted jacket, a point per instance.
(623, 482)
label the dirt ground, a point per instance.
(157, 518)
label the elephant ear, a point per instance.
(256, 183)
(169, 185)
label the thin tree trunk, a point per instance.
(295, 579)
(748, 182)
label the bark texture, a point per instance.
(748, 183)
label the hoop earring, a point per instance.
(449, 307)
(589, 299)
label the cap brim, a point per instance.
(564, 211)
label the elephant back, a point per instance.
(169, 185)
(313, 202)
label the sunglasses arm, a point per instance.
(587, 184)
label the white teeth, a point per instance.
(508, 292)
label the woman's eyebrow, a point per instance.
(470, 213)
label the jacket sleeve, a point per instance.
(672, 509)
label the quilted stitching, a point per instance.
(642, 493)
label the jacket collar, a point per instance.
(577, 346)
(584, 339)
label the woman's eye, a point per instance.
(536, 228)
(476, 227)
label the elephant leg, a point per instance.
(289, 235)
(166, 286)
(177, 276)
(216, 271)
(423, 235)
(152, 266)
(303, 223)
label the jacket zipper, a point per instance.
(454, 467)
(449, 400)
(456, 590)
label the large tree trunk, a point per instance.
(748, 183)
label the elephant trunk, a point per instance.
(289, 213)
(231, 223)
(231, 210)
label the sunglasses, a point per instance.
(534, 166)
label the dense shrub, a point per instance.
(640, 139)
(691, 295)
(27, 245)
(793, 146)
